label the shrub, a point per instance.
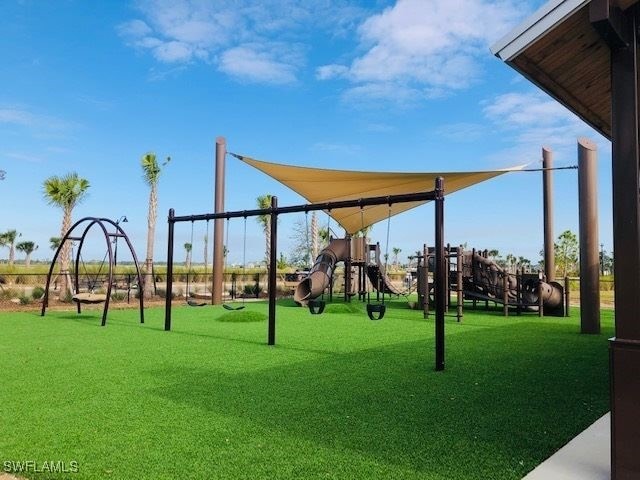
(8, 293)
(37, 293)
(254, 290)
(25, 299)
(119, 296)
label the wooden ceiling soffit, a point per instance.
(571, 63)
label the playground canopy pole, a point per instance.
(218, 226)
(589, 255)
(547, 203)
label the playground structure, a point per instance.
(484, 279)
(472, 275)
(91, 293)
(362, 262)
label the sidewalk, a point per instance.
(586, 457)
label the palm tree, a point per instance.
(264, 201)
(9, 238)
(3, 240)
(151, 173)
(314, 236)
(54, 243)
(27, 248)
(396, 251)
(187, 248)
(65, 192)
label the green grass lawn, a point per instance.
(338, 397)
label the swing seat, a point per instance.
(316, 307)
(376, 311)
(194, 303)
(226, 306)
(89, 298)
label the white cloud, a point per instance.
(462, 132)
(23, 157)
(25, 118)
(424, 48)
(340, 148)
(251, 63)
(180, 32)
(529, 121)
(327, 72)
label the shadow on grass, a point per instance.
(509, 398)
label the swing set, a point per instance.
(437, 195)
(92, 294)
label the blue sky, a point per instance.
(377, 85)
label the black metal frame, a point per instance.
(437, 195)
(119, 233)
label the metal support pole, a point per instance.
(460, 293)
(167, 301)
(347, 272)
(505, 294)
(218, 224)
(547, 203)
(448, 263)
(425, 295)
(272, 273)
(567, 296)
(588, 213)
(440, 274)
(540, 301)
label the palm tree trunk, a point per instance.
(267, 238)
(12, 253)
(65, 254)
(27, 260)
(314, 238)
(151, 231)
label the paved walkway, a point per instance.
(586, 457)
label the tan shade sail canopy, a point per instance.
(319, 185)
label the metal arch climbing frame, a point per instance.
(436, 195)
(119, 232)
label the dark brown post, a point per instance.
(425, 303)
(625, 346)
(448, 263)
(218, 224)
(460, 294)
(167, 301)
(540, 300)
(589, 255)
(440, 274)
(519, 273)
(547, 203)
(505, 294)
(347, 272)
(272, 272)
(567, 296)
(473, 273)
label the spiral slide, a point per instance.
(320, 274)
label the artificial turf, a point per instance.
(339, 396)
